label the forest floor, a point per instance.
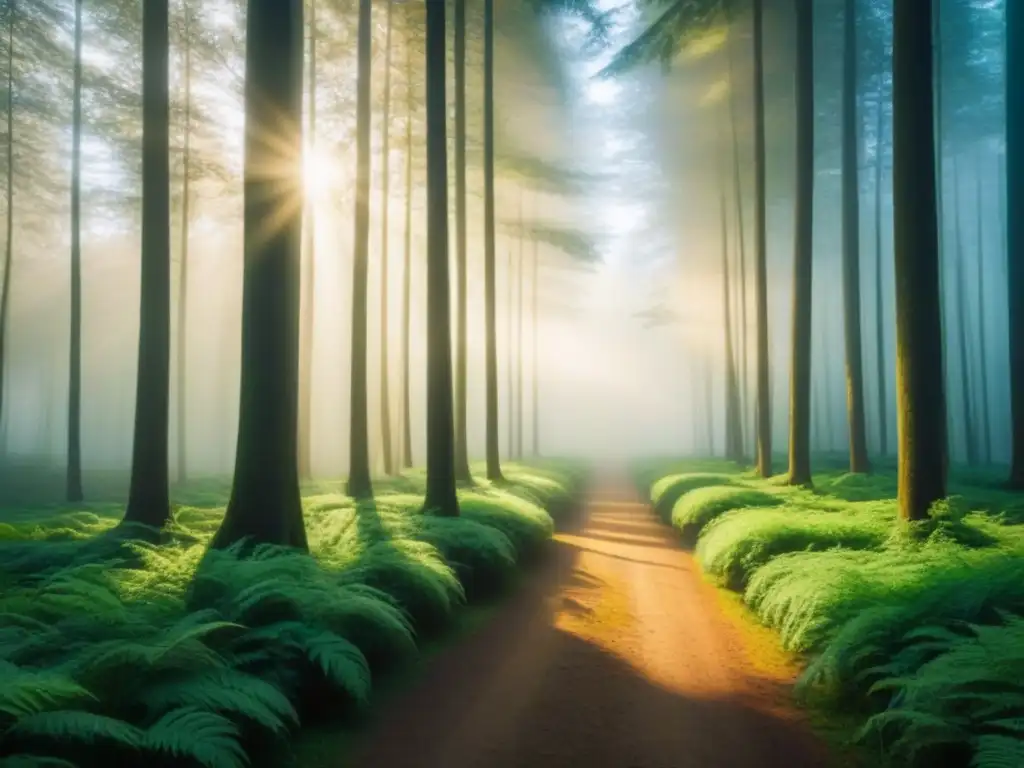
(615, 652)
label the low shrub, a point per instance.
(697, 508)
(668, 490)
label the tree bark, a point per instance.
(534, 369)
(462, 473)
(920, 385)
(74, 468)
(265, 505)
(1014, 174)
(407, 460)
(800, 371)
(441, 498)
(733, 439)
(764, 404)
(490, 288)
(182, 339)
(359, 483)
(883, 399)
(308, 272)
(851, 250)
(960, 291)
(986, 422)
(148, 495)
(5, 295)
(385, 194)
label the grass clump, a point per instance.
(668, 490)
(130, 652)
(917, 630)
(697, 508)
(739, 543)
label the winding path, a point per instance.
(615, 654)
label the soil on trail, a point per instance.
(615, 654)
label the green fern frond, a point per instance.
(226, 691)
(24, 692)
(208, 738)
(78, 727)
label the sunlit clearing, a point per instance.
(705, 44)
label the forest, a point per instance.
(448, 383)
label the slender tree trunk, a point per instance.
(359, 483)
(970, 440)
(490, 287)
(410, 109)
(986, 423)
(1014, 174)
(74, 473)
(938, 85)
(511, 371)
(148, 496)
(800, 372)
(851, 250)
(764, 403)
(920, 386)
(883, 398)
(462, 473)
(183, 275)
(385, 195)
(265, 505)
(519, 340)
(5, 295)
(441, 498)
(534, 369)
(733, 439)
(744, 381)
(709, 405)
(308, 291)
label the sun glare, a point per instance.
(320, 173)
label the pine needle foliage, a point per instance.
(155, 651)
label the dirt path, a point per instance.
(615, 655)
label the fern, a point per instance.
(77, 727)
(208, 738)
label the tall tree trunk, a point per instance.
(970, 440)
(148, 495)
(883, 398)
(1014, 174)
(265, 505)
(534, 369)
(764, 403)
(5, 295)
(490, 287)
(511, 371)
(939, 87)
(519, 339)
(359, 483)
(441, 498)
(986, 423)
(851, 250)
(800, 372)
(462, 473)
(385, 194)
(709, 405)
(733, 439)
(920, 386)
(744, 381)
(308, 277)
(410, 109)
(74, 469)
(182, 352)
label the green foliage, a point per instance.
(698, 507)
(116, 650)
(666, 491)
(919, 628)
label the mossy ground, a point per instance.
(913, 632)
(114, 651)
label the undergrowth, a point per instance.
(917, 629)
(118, 651)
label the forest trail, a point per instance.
(614, 654)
